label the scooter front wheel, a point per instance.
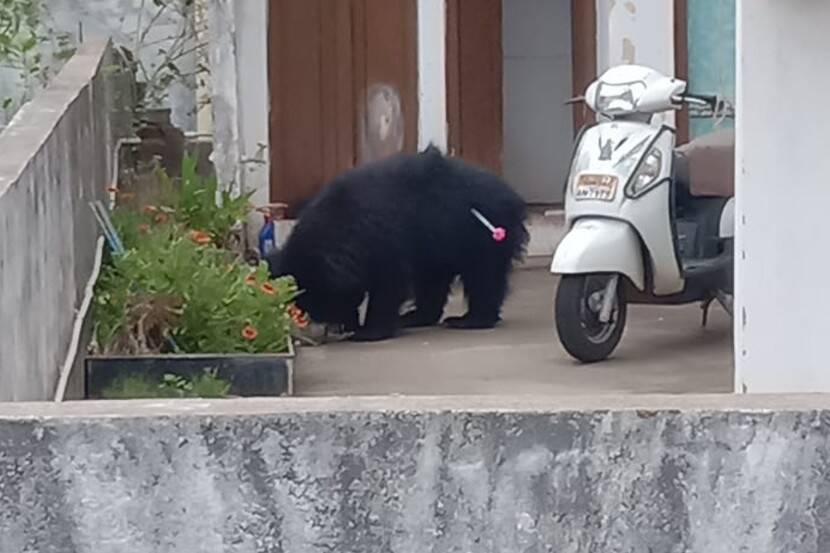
(579, 319)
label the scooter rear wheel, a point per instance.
(577, 311)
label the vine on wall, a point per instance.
(178, 57)
(29, 47)
(158, 54)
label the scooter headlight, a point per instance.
(647, 174)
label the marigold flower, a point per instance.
(268, 288)
(250, 280)
(300, 319)
(249, 333)
(160, 218)
(150, 209)
(200, 237)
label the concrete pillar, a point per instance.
(239, 66)
(432, 85)
(783, 194)
(252, 84)
(225, 99)
(204, 116)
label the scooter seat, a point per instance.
(706, 165)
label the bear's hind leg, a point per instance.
(485, 286)
(430, 298)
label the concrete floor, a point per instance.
(664, 350)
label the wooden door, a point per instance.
(343, 88)
(474, 81)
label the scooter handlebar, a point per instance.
(708, 100)
(717, 105)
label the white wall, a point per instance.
(432, 85)
(783, 194)
(636, 31)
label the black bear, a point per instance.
(405, 227)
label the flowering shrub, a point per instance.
(175, 289)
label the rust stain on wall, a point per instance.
(382, 124)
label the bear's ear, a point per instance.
(273, 260)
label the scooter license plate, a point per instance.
(596, 187)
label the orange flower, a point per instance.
(300, 319)
(150, 209)
(267, 288)
(200, 237)
(161, 218)
(144, 229)
(250, 280)
(249, 333)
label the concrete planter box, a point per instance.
(250, 375)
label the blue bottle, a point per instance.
(267, 236)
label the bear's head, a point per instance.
(321, 301)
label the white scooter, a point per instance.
(647, 223)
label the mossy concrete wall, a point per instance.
(693, 474)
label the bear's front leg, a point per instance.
(382, 314)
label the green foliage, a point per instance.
(19, 25)
(23, 31)
(178, 289)
(207, 385)
(194, 202)
(168, 286)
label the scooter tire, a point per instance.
(576, 338)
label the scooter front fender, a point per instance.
(600, 246)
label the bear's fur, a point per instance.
(403, 228)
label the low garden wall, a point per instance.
(57, 156)
(637, 474)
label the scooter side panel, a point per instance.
(600, 246)
(650, 214)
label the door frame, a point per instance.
(681, 64)
(584, 57)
